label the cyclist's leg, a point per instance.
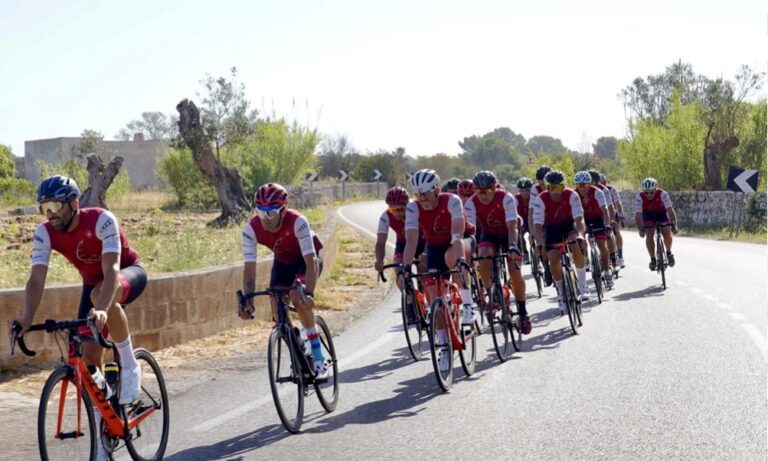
(485, 248)
(93, 354)
(649, 222)
(619, 241)
(577, 253)
(514, 267)
(464, 292)
(666, 233)
(397, 259)
(553, 235)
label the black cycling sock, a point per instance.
(521, 308)
(621, 253)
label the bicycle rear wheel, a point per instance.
(597, 274)
(285, 379)
(439, 319)
(661, 261)
(468, 355)
(149, 439)
(59, 404)
(536, 271)
(570, 299)
(499, 323)
(327, 390)
(412, 323)
(477, 294)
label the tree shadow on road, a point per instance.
(235, 448)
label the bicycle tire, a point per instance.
(498, 317)
(153, 394)
(570, 299)
(413, 327)
(468, 354)
(328, 390)
(661, 261)
(477, 295)
(579, 303)
(53, 447)
(283, 377)
(439, 314)
(597, 274)
(536, 271)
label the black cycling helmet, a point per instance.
(554, 177)
(59, 188)
(484, 180)
(542, 171)
(524, 183)
(451, 186)
(595, 176)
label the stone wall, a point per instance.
(139, 157)
(174, 308)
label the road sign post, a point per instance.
(343, 175)
(311, 177)
(741, 181)
(376, 176)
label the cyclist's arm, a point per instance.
(578, 213)
(249, 243)
(617, 201)
(510, 217)
(580, 227)
(381, 239)
(311, 275)
(306, 244)
(537, 218)
(110, 267)
(457, 225)
(604, 205)
(411, 232)
(672, 216)
(33, 293)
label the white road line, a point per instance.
(696, 290)
(709, 298)
(757, 337)
(682, 284)
(724, 306)
(360, 228)
(737, 316)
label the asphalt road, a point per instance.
(675, 374)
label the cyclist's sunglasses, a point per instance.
(584, 185)
(395, 209)
(52, 206)
(556, 187)
(268, 213)
(485, 190)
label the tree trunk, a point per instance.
(232, 198)
(99, 180)
(714, 154)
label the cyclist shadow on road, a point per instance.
(378, 370)
(649, 292)
(549, 339)
(235, 448)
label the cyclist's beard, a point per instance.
(62, 223)
(429, 204)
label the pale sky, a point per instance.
(417, 74)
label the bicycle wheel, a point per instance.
(536, 271)
(60, 408)
(577, 293)
(570, 299)
(498, 322)
(285, 379)
(327, 390)
(468, 355)
(661, 261)
(597, 274)
(412, 324)
(515, 330)
(439, 319)
(149, 439)
(477, 295)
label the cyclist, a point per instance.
(653, 206)
(537, 189)
(495, 213)
(394, 218)
(94, 243)
(451, 186)
(440, 217)
(618, 220)
(557, 217)
(523, 198)
(466, 189)
(596, 216)
(295, 250)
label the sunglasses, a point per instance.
(269, 214)
(556, 187)
(51, 206)
(395, 209)
(584, 185)
(485, 190)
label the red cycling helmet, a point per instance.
(466, 188)
(270, 196)
(397, 196)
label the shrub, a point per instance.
(17, 191)
(192, 190)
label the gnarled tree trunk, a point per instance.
(100, 177)
(715, 152)
(229, 187)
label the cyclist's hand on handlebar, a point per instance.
(405, 270)
(514, 249)
(245, 311)
(674, 229)
(642, 233)
(379, 266)
(24, 327)
(99, 318)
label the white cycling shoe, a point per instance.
(130, 384)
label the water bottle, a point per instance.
(100, 381)
(111, 373)
(305, 344)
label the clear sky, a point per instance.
(417, 74)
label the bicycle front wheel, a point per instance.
(442, 346)
(498, 321)
(412, 323)
(468, 354)
(536, 271)
(285, 379)
(661, 261)
(570, 299)
(65, 424)
(327, 390)
(597, 275)
(149, 439)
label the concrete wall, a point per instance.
(139, 157)
(174, 308)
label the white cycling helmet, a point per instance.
(648, 184)
(424, 181)
(583, 177)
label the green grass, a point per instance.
(724, 233)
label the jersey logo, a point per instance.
(84, 256)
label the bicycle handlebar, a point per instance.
(51, 326)
(242, 298)
(388, 266)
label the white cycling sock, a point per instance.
(125, 348)
(466, 296)
(582, 273)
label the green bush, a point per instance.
(192, 190)
(17, 191)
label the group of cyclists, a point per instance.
(437, 227)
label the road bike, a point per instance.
(66, 422)
(571, 296)
(595, 264)
(290, 364)
(661, 257)
(503, 319)
(537, 266)
(413, 312)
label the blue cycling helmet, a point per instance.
(582, 177)
(59, 188)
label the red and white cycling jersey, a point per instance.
(615, 197)
(522, 205)
(97, 233)
(386, 221)
(593, 203)
(536, 190)
(492, 218)
(548, 212)
(607, 194)
(289, 244)
(435, 224)
(658, 203)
